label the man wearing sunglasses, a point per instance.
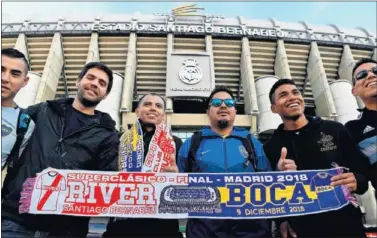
(223, 148)
(364, 130)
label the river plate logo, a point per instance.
(190, 73)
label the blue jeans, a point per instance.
(10, 229)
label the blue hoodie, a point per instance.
(220, 155)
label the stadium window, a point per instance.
(183, 134)
(189, 105)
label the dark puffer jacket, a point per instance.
(94, 147)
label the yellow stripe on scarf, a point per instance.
(134, 138)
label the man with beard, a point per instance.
(150, 112)
(313, 144)
(223, 148)
(69, 134)
(364, 130)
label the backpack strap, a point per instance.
(22, 127)
(252, 157)
(249, 146)
(194, 146)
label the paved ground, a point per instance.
(97, 226)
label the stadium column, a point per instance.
(21, 45)
(209, 50)
(248, 85)
(93, 52)
(346, 64)
(129, 79)
(52, 71)
(316, 74)
(345, 69)
(169, 101)
(281, 61)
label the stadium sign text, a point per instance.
(247, 31)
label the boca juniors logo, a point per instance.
(190, 73)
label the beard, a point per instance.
(86, 102)
(292, 118)
(222, 124)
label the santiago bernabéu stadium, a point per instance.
(183, 55)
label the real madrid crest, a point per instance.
(190, 73)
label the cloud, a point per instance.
(50, 11)
(318, 7)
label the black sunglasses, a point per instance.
(216, 102)
(363, 73)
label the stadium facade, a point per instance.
(183, 56)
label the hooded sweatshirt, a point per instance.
(318, 145)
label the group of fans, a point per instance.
(69, 133)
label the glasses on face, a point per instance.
(216, 102)
(363, 73)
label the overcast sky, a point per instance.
(343, 14)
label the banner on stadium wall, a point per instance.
(182, 195)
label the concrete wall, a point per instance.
(93, 52)
(169, 101)
(111, 104)
(375, 54)
(281, 61)
(345, 103)
(26, 96)
(21, 45)
(129, 75)
(209, 50)
(345, 69)
(267, 120)
(346, 64)
(247, 77)
(248, 85)
(52, 71)
(321, 91)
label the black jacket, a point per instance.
(364, 131)
(319, 145)
(146, 227)
(94, 147)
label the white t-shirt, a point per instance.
(45, 183)
(9, 118)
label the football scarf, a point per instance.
(182, 195)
